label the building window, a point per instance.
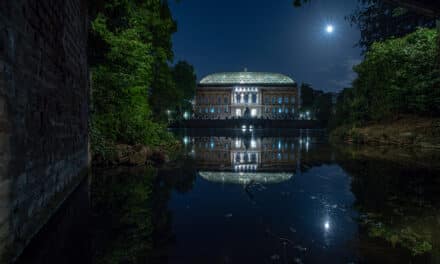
(293, 110)
(274, 110)
(238, 112)
(237, 98)
(225, 100)
(280, 100)
(212, 110)
(246, 98)
(254, 98)
(226, 109)
(274, 100)
(280, 110)
(292, 100)
(219, 110)
(286, 110)
(286, 100)
(266, 109)
(219, 100)
(254, 112)
(206, 110)
(266, 100)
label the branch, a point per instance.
(427, 8)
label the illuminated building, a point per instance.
(246, 95)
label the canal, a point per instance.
(254, 197)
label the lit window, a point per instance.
(280, 100)
(280, 110)
(286, 110)
(206, 110)
(226, 109)
(254, 112)
(293, 110)
(274, 110)
(274, 100)
(286, 100)
(213, 110)
(238, 112)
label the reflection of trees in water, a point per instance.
(316, 156)
(132, 221)
(398, 202)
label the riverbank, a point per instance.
(403, 132)
(137, 155)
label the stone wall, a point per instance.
(44, 94)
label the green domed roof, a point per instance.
(247, 78)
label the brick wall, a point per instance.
(44, 94)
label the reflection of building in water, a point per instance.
(246, 154)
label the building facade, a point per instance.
(246, 95)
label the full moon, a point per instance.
(329, 29)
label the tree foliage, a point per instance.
(130, 48)
(398, 76)
(378, 21)
(317, 102)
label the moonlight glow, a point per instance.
(329, 29)
(327, 225)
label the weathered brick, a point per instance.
(43, 114)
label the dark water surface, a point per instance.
(254, 197)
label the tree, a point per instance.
(430, 8)
(398, 77)
(378, 21)
(307, 96)
(322, 107)
(163, 95)
(185, 79)
(124, 54)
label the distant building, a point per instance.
(246, 95)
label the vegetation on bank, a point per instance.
(407, 131)
(399, 78)
(133, 84)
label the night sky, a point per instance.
(269, 35)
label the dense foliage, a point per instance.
(132, 82)
(378, 20)
(398, 77)
(316, 102)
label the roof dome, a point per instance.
(247, 78)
